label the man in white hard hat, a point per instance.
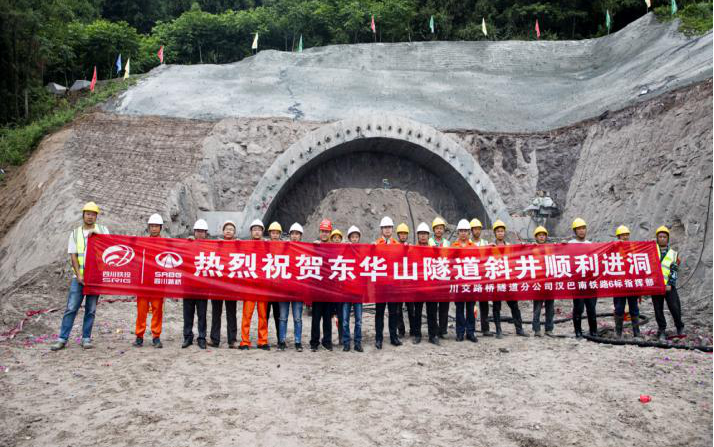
(415, 309)
(76, 249)
(229, 234)
(465, 319)
(438, 225)
(387, 228)
(353, 236)
(197, 306)
(256, 234)
(145, 304)
(476, 228)
(295, 234)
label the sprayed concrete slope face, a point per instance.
(513, 86)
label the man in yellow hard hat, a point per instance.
(476, 228)
(669, 259)
(623, 234)
(145, 304)
(77, 247)
(580, 233)
(229, 234)
(541, 237)
(438, 226)
(403, 238)
(499, 233)
(275, 231)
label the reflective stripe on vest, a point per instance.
(666, 262)
(444, 242)
(79, 242)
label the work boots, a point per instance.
(636, 327)
(578, 325)
(619, 319)
(518, 322)
(497, 323)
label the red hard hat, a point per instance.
(326, 225)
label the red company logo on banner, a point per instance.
(296, 271)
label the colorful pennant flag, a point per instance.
(483, 27)
(674, 7)
(537, 29)
(161, 54)
(118, 64)
(94, 80)
(608, 22)
(255, 43)
(373, 26)
(300, 44)
(648, 3)
(126, 69)
(431, 24)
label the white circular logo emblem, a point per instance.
(169, 260)
(118, 255)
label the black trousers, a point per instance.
(432, 318)
(379, 320)
(674, 306)
(414, 311)
(631, 301)
(483, 315)
(443, 317)
(191, 308)
(400, 318)
(589, 305)
(276, 315)
(231, 320)
(515, 313)
(321, 313)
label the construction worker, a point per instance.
(438, 226)
(499, 232)
(295, 233)
(229, 234)
(432, 307)
(275, 230)
(76, 248)
(623, 234)
(580, 232)
(322, 311)
(353, 236)
(336, 236)
(144, 304)
(386, 227)
(403, 238)
(541, 237)
(476, 228)
(465, 319)
(256, 234)
(670, 269)
(198, 307)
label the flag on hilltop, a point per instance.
(300, 44)
(483, 27)
(674, 7)
(161, 54)
(126, 69)
(255, 43)
(373, 26)
(608, 22)
(537, 29)
(118, 64)
(431, 24)
(648, 3)
(94, 80)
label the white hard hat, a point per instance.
(200, 225)
(155, 219)
(386, 222)
(228, 222)
(257, 223)
(463, 225)
(423, 228)
(296, 227)
(353, 229)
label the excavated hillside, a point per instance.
(616, 130)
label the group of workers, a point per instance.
(437, 313)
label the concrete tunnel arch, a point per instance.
(423, 144)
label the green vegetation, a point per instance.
(695, 18)
(16, 143)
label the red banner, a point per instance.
(297, 271)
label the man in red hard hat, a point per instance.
(322, 310)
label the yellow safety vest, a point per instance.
(81, 247)
(481, 243)
(666, 262)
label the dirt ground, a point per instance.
(509, 392)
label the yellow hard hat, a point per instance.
(91, 206)
(336, 233)
(498, 224)
(275, 226)
(622, 230)
(475, 223)
(540, 229)
(577, 223)
(438, 221)
(662, 229)
(402, 228)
